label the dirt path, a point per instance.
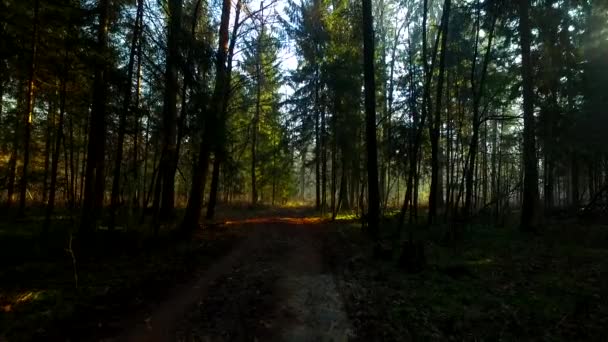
(275, 285)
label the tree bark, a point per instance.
(29, 113)
(256, 115)
(477, 96)
(220, 141)
(55, 163)
(370, 119)
(530, 190)
(317, 143)
(122, 125)
(435, 125)
(195, 200)
(94, 177)
(169, 152)
(50, 118)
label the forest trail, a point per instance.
(274, 285)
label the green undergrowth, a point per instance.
(41, 299)
(493, 284)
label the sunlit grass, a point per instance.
(296, 204)
(347, 217)
(272, 219)
(13, 301)
(485, 261)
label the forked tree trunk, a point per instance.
(195, 200)
(220, 142)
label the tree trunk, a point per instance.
(94, 177)
(50, 121)
(256, 120)
(55, 163)
(169, 152)
(334, 151)
(73, 164)
(317, 144)
(215, 180)
(195, 200)
(220, 141)
(323, 164)
(2, 76)
(477, 96)
(435, 125)
(139, 185)
(370, 119)
(29, 113)
(122, 125)
(530, 190)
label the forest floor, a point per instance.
(287, 275)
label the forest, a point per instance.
(303, 170)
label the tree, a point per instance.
(530, 184)
(126, 107)
(435, 124)
(94, 177)
(370, 119)
(193, 209)
(30, 99)
(168, 159)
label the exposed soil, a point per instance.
(274, 285)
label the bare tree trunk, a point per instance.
(12, 162)
(317, 143)
(334, 151)
(323, 164)
(411, 193)
(389, 114)
(169, 153)
(2, 76)
(58, 139)
(215, 180)
(477, 96)
(484, 165)
(256, 117)
(370, 119)
(530, 191)
(50, 121)
(435, 125)
(94, 178)
(84, 131)
(122, 125)
(195, 200)
(220, 141)
(136, 166)
(29, 113)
